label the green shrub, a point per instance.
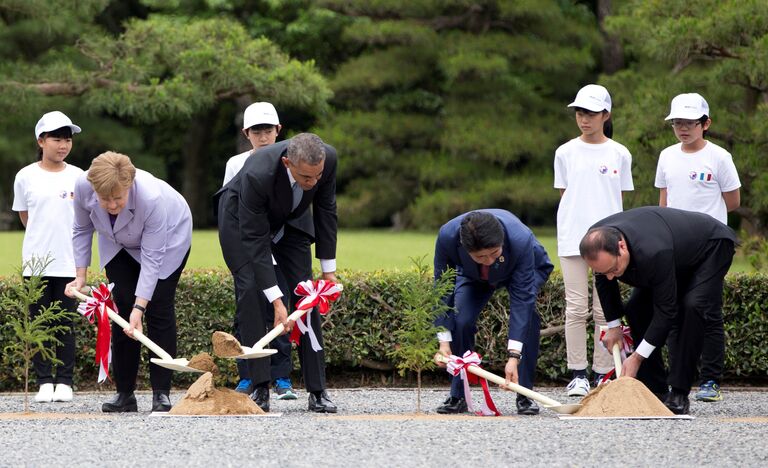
(359, 330)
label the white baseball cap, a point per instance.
(260, 113)
(593, 98)
(54, 121)
(690, 106)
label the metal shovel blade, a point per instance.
(179, 364)
(569, 408)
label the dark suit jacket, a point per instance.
(522, 268)
(665, 245)
(256, 203)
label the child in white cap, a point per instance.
(43, 197)
(591, 172)
(261, 126)
(698, 175)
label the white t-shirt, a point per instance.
(696, 181)
(48, 199)
(593, 176)
(234, 165)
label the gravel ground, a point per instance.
(376, 427)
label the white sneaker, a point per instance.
(579, 386)
(45, 394)
(63, 393)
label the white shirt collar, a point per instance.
(290, 177)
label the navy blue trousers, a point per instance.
(469, 299)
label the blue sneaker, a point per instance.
(244, 386)
(284, 389)
(709, 391)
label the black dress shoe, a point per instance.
(321, 404)
(161, 402)
(260, 396)
(526, 406)
(122, 402)
(678, 403)
(453, 405)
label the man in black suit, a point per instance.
(268, 254)
(676, 260)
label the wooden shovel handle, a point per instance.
(546, 401)
(617, 359)
(143, 339)
(278, 330)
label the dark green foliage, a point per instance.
(361, 328)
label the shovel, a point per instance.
(165, 360)
(545, 401)
(257, 350)
(616, 354)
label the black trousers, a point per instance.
(700, 299)
(294, 264)
(160, 320)
(281, 364)
(65, 352)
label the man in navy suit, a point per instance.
(491, 249)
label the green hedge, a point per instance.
(359, 329)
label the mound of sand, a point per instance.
(203, 398)
(225, 345)
(204, 362)
(624, 397)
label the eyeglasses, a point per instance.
(684, 124)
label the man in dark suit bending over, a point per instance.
(491, 249)
(269, 256)
(676, 260)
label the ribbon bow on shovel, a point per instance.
(458, 366)
(318, 293)
(620, 351)
(96, 306)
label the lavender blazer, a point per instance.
(155, 228)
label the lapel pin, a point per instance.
(501, 259)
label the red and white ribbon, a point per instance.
(320, 294)
(96, 307)
(457, 366)
(627, 346)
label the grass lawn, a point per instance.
(365, 250)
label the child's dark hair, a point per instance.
(702, 120)
(262, 127)
(607, 125)
(63, 132)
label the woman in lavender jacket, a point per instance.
(145, 233)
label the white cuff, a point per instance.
(444, 336)
(645, 349)
(328, 265)
(613, 323)
(273, 293)
(516, 345)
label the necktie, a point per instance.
(484, 272)
(297, 193)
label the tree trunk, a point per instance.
(613, 54)
(418, 391)
(197, 167)
(26, 382)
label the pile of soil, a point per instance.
(225, 345)
(204, 362)
(624, 397)
(203, 398)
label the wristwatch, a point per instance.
(514, 354)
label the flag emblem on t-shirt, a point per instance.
(603, 169)
(63, 194)
(700, 176)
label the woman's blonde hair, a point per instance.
(110, 172)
